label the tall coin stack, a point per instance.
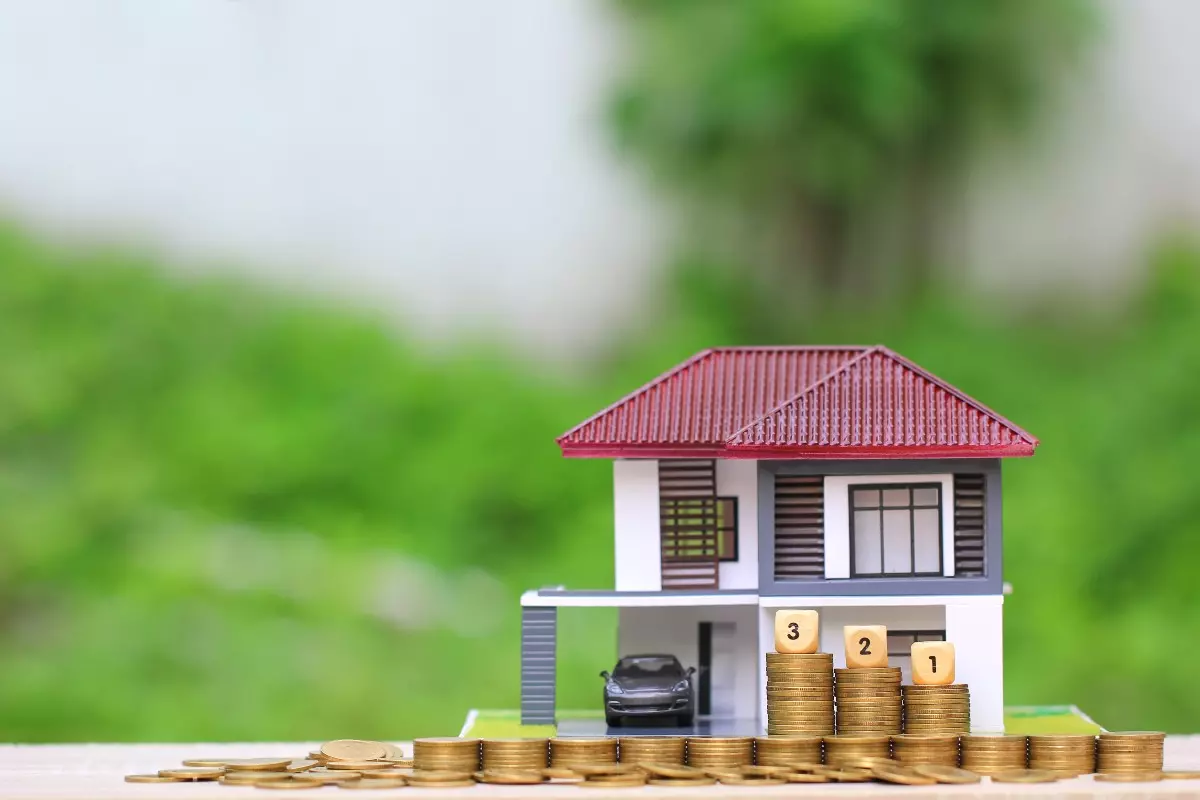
(868, 700)
(1069, 755)
(1140, 751)
(652, 749)
(926, 748)
(937, 709)
(582, 752)
(785, 751)
(800, 693)
(840, 749)
(720, 751)
(449, 754)
(989, 754)
(515, 754)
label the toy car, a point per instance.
(649, 686)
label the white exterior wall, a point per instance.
(677, 631)
(837, 518)
(638, 559)
(977, 632)
(737, 478)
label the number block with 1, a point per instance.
(796, 631)
(866, 646)
(933, 663)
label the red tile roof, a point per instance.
(796, 402)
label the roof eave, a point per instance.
(786, 453)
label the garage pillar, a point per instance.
(539, 637)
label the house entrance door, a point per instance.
(717, 669)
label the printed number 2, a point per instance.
(866, 646)
(793, 630)
(933, 663)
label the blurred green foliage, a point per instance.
(812, 119)
(228, 515)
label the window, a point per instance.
(689, 522)
(896, 529)
(900, 642)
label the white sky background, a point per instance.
(444, 160)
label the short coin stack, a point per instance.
(573, 752)
(988, 755)
(937, 709)
(1072, 754)
(785, 751)
(851, 748)
(1138, 751)
(799, 693)
(515, 754)
(719, 752)
(447, 754)
(926, 748)
(652, 749)
(868, 700)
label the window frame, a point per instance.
(732, 529)
(851, 509)
(917, 636)
(719, 528)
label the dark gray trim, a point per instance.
(664, 593)
(991, 583)
(539, 640)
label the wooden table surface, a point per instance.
(96, 772)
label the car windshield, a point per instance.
(647, 667)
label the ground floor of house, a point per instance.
(725, 636)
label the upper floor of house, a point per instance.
(804, 471)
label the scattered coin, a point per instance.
(1128, 777)
(561, 774)
(945, 774)
(1026, 776)
(745, 780)
(354, 765)
(264, 764)
(193, 773)
(207, 762)
(1181, 775)
(897, 773)
(804, 777)
(151, 779)
(290, 783)
(396, 783)
(671, 771)
(355, 750)
(302, 765)
(510, 777)
(703, 780)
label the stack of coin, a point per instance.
(868, 700)
(799, 693)
(1067, 754)
(652, 749)
(841, 749)
(719, 752)
(572, 752)
(1137, 751)
(446, 754)
(987, 755)
(516, 754)
(937, 709)
(926, 748)
(786, 751)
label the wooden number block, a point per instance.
(933, 663)
(796, 631)
(866, 646)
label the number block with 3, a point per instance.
(933, 663)
(796, 631)
(866, 646)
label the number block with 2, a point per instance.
(933, 663)
(866, 646)
(796, 631)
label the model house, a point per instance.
(748, 479)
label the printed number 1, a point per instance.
(933, 662)
(793, 630)
(866, 646)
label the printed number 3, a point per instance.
(866, 646)
(793, 630)
(933, 663)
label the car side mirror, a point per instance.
(604, 674)
(691, 671)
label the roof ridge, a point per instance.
(688, 362)
(961, 395)
(866, 351)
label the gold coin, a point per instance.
(151, 779)
(353, 765)
(396, 783)
(1181, 775)
(849, 775)
(1128, 777)
(302, 765)
(946, 774)
(298, 782)
(207, 762)
(805, 777)
(702, 780)
(333, 776)
(510, 777)
(1026, 776)
(560, 773)
(613, 783)
(384, 773)
(752, 781)
(355, 750)
(671, 771)
(900, 774)
(591, 770)
(193, 773)
(258, 764)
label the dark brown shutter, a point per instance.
(687, 503)
(968, 526)
(799, 526)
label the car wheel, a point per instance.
(612, 721)
(685, 720)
